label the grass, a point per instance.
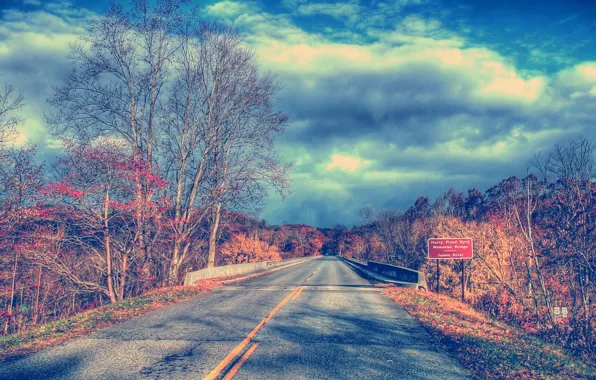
(57, 332)
(487, 348)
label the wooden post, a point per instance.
(463, 284)
(438, 274)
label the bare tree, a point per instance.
(368, 214)
(241, 123)
(10, 101)
(184, 96)
(188, 140)
(115, 89)
(20, 182)
(569, 171)
(218, 135)
(393, 230)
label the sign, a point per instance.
(450, 249)
(560, 312)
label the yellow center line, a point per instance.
(298, 292)
(240, 362)
(236, 351)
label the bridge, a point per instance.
(318, 319)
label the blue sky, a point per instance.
(388, 100)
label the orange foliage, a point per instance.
(248, 249)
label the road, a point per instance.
(317, 320)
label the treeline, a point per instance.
(168, 126)
(534, 244)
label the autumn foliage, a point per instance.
(248, 249)
(71, 242)
(161, 157)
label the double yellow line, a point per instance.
(246, 341)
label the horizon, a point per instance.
(387, 101)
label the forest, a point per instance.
(168, 131)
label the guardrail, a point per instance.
(355, 261)
(236, 269)
(399, 275)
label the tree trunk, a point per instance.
(36, 309)
(106, 236)
(213, 234)
(175, 264)
(12, 291)
(123, 271)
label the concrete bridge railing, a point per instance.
(399, 275)
(237, 269)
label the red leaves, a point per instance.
(119, 206)
(92, 175)
(63, 189)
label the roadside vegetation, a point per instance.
(62, 330)
(489, 349)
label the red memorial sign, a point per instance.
(450, 248)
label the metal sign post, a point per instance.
(438, 276)
(463, 284)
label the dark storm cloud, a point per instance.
(413, 104)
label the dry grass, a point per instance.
(488, 348)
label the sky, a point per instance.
(387, 100)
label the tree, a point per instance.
(95, 188)
(21, 179)
(390, 227)
(450, 204)
(368, 214)
(117, 87)
(474, 204)
(239, 118)
(568, 216)
(183, 94)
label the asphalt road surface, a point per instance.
(317, 320)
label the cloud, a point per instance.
(33, 57)
(35, 3)
(229, 9)
(337, 10)
(427, 110)
(346, 163)
(385, 105)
